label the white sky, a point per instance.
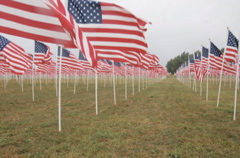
(179, 25)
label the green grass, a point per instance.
(167, 119)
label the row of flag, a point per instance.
(212, 60)
(13, 59)
(99, 30)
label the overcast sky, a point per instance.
(184, 25)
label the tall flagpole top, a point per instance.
(228, 28)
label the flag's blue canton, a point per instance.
(232, 40)
(191, 59)
(65, 52)
(108, 61)
(204, 52)
(40, 47)
(3, 42)
(214, 50)
(81, 56)
(197, 56)
(117, 64)
(85, 11)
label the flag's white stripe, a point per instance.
(36, 3)
(119, 18)
(109, 26)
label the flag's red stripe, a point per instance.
(66, 43)
(232, 50)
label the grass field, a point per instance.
(166, 119)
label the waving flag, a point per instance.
(231, 50)
(205, 57)
(111, 29)
(14, 56)
(191, 64)
(85, 64)
(216, 60)
(44, 20)
(205, 60)
(198, 66)
(42, 53)
(69, 60)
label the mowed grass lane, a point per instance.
(165, 120)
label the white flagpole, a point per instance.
(75, 82)
(33, 66)
(33, 82)
(139, 79)
(236, 86)
(207, 88)
(221, 73)
(40, 76)
(22, 82)
(96, 90)
(104, 79)
(189, 73)
(220, 83)
(195, 81)
(230, 80)
(208, 73)
(56, 77)
(201, 74)
(132, 80)
(87, 78)
(125, 81)
(114, 86)
(59, 91)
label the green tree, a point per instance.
(175, 63)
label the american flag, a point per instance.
(110, 28)
(69, 60)
(15, 56)
(34, 20)
(214, 50)
(47, 21)
(216, 60)
(231, 50)
(204, 57)
(205, 60)
(198, 66)
(191, 64)
(84, 62)
(42, 53)
(145, 61)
